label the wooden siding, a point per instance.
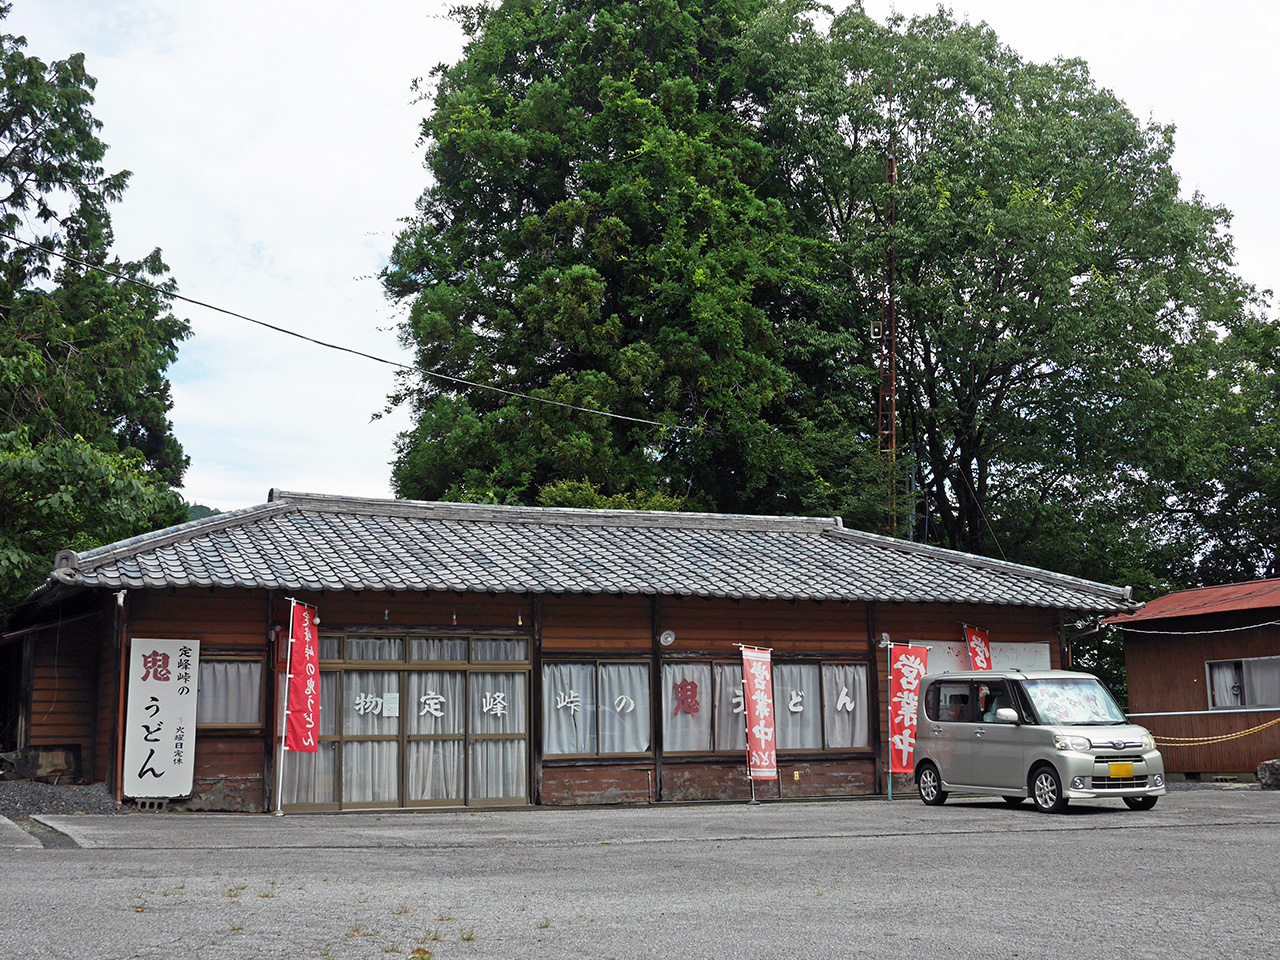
(64, 689)
(1166, 674)
(592, 624)
(715, 627)
(224, 621)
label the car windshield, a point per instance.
(1073, 700)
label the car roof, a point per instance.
(1012, 674)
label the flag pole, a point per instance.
(284, 714)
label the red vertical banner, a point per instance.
(907, 665)
(979, 648)
(302, 704)
(762, 751)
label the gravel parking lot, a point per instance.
(1195, 876)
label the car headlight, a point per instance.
(1063, 742)
(1148, 742)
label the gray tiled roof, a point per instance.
(310, 542)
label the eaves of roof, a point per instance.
(1226, 598)
(302, 541)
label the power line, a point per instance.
(457, 381)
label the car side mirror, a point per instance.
(1006, 715)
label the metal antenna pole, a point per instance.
(887, 440)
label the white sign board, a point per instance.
(954, 657)
(160, 723)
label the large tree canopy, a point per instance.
(87, 453)
(599, 232)
(680, 211)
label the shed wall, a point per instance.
(1166, 675)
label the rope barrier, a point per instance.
(1202, 741)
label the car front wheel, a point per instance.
(929, 783)
(1046, 790)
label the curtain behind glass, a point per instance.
(499, 651)
(498, 703)
(624, 708)
(844, 695)
(229, 691)
(797, 706)
(435, 769)
(437, 648)
(308, 777)
(1225, 680)
(368, 696)
(686, 706)
(437, 701)
(370, 771)
(497, 768)
(569, 708)
(730, 723)
(1262, 682)
(375, 648)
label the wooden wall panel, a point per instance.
(222, 620)
(715, 626)
(64, 700)
(578, 622)
(1167, 673)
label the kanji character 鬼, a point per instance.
(686, 695)
(155, 666)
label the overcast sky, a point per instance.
(273, 149)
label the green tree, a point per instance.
(599, 232)
(1061, 307)
(88, 451)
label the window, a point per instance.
(817, 706)
(416, 721)
(595, 708)
(229, 693)
(1238, 684)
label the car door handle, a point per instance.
(937, 731)
(979, 733)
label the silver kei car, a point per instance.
(1050, 735)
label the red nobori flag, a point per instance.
(906, 666)
(979, 648)
(302, 705)
(762, 752)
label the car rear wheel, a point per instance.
(1140, 803)
(1046, 790)
(929, 783)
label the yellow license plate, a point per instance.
(1121, 771)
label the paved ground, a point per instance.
(1196, 876)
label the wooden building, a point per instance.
(1204, 676)
(485, 655)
